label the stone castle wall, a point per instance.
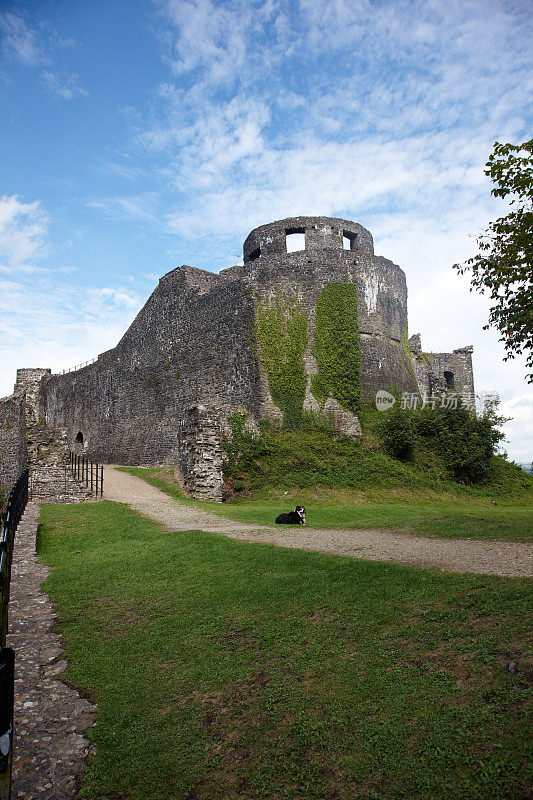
(28, 387)
(443, 372)
(164, 394)
(188, 350)
(13, 452)
(381, 285)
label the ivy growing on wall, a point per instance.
(281, 331)
(337, 346)
(407, 356)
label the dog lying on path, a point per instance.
(296, 517)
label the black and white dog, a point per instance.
(296, 517)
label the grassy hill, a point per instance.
(321, 464)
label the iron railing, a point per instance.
(86, 471)
(76, 368)
(15, 509)
(13, 514)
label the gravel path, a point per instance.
(452, 555)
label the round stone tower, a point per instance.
(300, 255)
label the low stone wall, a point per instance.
(13, 452)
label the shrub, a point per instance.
(466, 443)
(399, 434)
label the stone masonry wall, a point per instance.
(28, 387)
(13, 453)
(443, 372)
(381, 285)
(165, 393)
(189, 347)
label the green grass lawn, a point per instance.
(226, 670)
(436, 515)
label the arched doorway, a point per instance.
(78, 443)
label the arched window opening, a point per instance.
(78, 443)
(254, 254)
(295, 239)
(450, 380)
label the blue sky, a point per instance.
(138, 136)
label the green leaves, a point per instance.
(504, 266)
(337, 348)
(281, 331)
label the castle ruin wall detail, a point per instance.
(190, 359)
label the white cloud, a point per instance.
(519, 430)
(48, 324)
(140, 207)
(218, 40)
(37, 45)
(43, 320)
(64, 86)
(20, 41)
(23, 234)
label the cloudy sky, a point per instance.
(137, 136)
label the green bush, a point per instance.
(465, 442)
(399, 434)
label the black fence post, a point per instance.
(7, 697)
(101, 482)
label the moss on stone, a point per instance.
(281, 332)
(426, 358)
(337, 347)
(407, 355)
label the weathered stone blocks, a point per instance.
(189, 360)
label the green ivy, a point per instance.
(281, 332)
(426, 358)
(407, 356)
(337, 346)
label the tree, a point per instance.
(504, 266)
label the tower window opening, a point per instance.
(254, 254)
(295, 239)
(450, 380)
(348, 240)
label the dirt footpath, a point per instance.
(452, 555)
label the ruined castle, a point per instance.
(321, 329)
